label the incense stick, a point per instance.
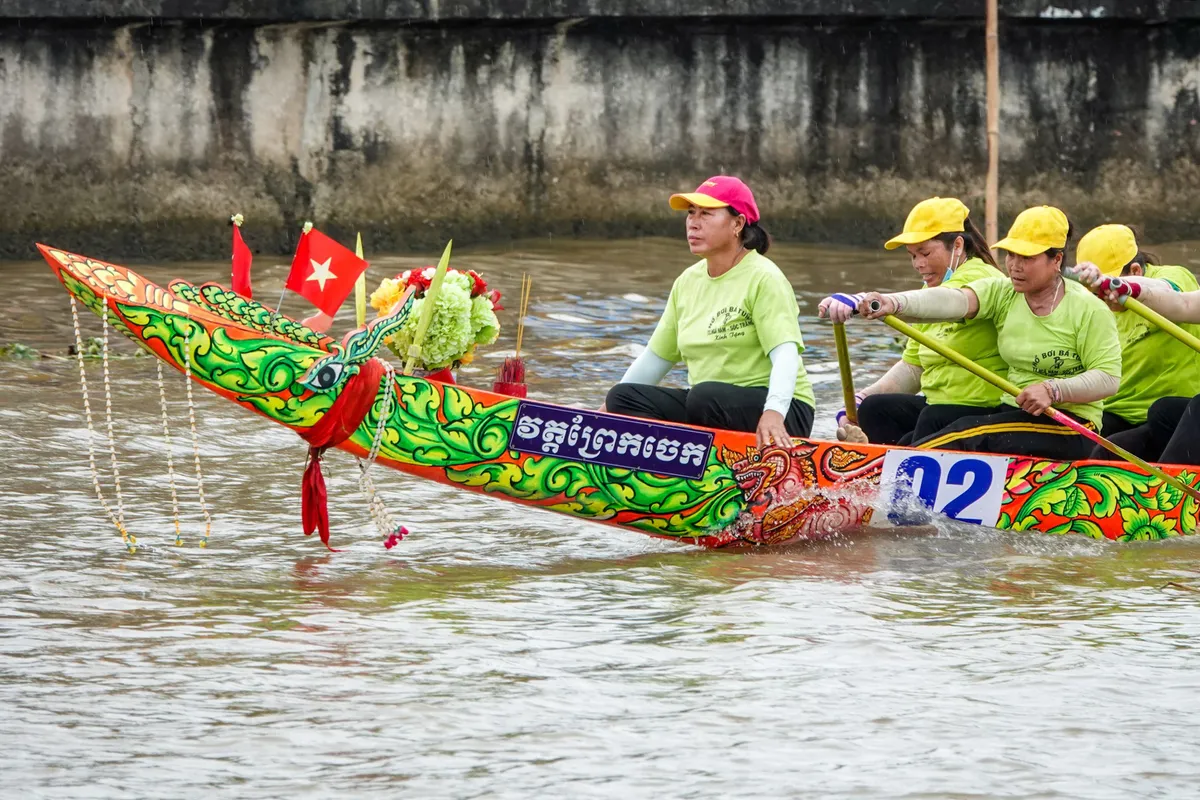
(526, 288)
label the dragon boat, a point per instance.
(706, 487)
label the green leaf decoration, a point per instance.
(262, 372)
(247, 313)
(1140, 525)
(1168, 497)
(1025, 523)
(1073, 504)
(450, 430)
(1046, 495)
(1059, 530)
(1046, 498)
(1087, 528)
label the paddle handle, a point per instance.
(843, 356)
(1011, 388)
(1149, 314)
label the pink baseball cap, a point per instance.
(720, 191)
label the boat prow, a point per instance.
(707, 487)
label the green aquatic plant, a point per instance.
(18, 352)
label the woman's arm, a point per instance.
(785, 366)
(1163, 298)
(940, 304)
(649, 368)
(1159, 295)
(1086, 387)
(902, 378)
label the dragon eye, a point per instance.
(324, 376)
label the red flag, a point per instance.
(241, 264)
(323, 271)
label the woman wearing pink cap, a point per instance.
(732, 319)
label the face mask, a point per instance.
(953, 266)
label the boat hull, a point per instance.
(706, 487)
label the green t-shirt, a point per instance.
(723, 328)
(944, 382)
(1077, 336)
(1154, 363)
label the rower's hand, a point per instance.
(1114, 291)
(1108, 289)
(887, 305)
(1035, 399)
(1088, 274)
(771, 430)
(839, 307)
(319, 322)
(603, 409)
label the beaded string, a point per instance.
(118, 520)
(379, 513)
(162, 399)
(108, 421)
(187, 374)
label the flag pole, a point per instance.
(360, 288)
(992, 199)
(308, 226)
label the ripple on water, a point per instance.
(507, 652)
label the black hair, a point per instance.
(1143, 258)
(754, 235)
(974, 245)
(1062, 251)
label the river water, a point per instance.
(504, 652)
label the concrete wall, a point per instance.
(135, 127)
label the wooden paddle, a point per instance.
(1012, 389)
(1150, 315)
(843, 356)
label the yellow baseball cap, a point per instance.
(930, 218)
(1109, 247)
(1035, 231)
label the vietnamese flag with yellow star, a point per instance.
(323, 271)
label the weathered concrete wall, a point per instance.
(139, 133)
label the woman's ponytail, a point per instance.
(754, 237)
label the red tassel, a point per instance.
(337, 425)
(314, 499)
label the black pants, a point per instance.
(1013, 432)
(710, 405)
(904, 418)
(1112, 424)
(1170, 435)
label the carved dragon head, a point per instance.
(238, 348)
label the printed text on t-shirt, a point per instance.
(1051, 362)
(729, 322)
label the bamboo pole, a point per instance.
(992, 199)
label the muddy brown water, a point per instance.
(504, 652)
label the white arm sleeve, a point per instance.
(1087, 387)
(649, 368)
(785, 365)
(940, 304)
(902, 378)
(1175, 306)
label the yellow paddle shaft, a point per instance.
(843, 356)
(1144, 311)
